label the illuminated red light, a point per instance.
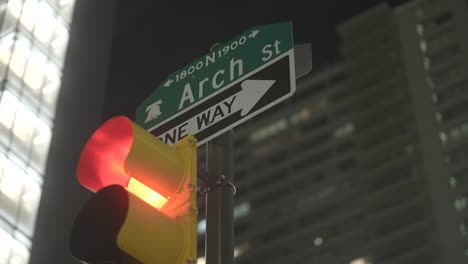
(146, 194)
(103, 158)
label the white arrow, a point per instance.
(250, 94)
(254, 33)
(168, 83)
(252, 91)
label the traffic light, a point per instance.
(145, 200)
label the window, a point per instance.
(19, 196)
(40, 19)
(31, 66)
(459, 178)
(269, 130)
(463, 228)
(12, 251)
(34, 36)
(460, 203)
(344, 130)
(31, 135)
(458, 132)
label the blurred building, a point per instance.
(367, 163)
(33, 39)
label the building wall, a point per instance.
(33, 39)
(287, 171)
(393, 190)
(370, 168)
(434, 39)
(79, 112)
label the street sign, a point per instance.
(231, 84)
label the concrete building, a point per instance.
(367, 162)
(33, 40)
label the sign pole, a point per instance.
(219, 240)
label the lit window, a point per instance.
(241, 210)
(201, 227)
(26, 9)
(12, 251)
(11, 187)
(51, 88)
(427, 63)
(38, 72)
(453, 182)
(420, 29)
(463, 230)
(4, 246)
(29, 205)
(241, 249)
(8, 105)
(41, 17)
(318, 241)
(28, 129)
(66, 8)
(19, 57)
(300, 116)
(59, 42)
(25, 122)
(460, 204)
(201, 260)
(344, 130)
(443, 137)
(65, 2)
(360, 261)
(34, 74)
(269, 131)
(45, 23)
(18, 189)
(423, 45)
(40, 146)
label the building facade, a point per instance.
(33, 40)
(367, 162)
(435, 49)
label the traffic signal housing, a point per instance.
(145, 201)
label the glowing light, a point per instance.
(360, 261)
(102, 160)
(146, 194)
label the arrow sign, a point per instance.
(243, 101)
(231, 84)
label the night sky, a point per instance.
(153, 38)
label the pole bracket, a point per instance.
(204, 189)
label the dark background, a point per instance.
(155, 39)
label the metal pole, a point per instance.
(219, 242)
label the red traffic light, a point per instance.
(120, 152)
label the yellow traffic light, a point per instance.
(146, 191)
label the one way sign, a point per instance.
(220, 91)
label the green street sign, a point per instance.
(181, 100)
